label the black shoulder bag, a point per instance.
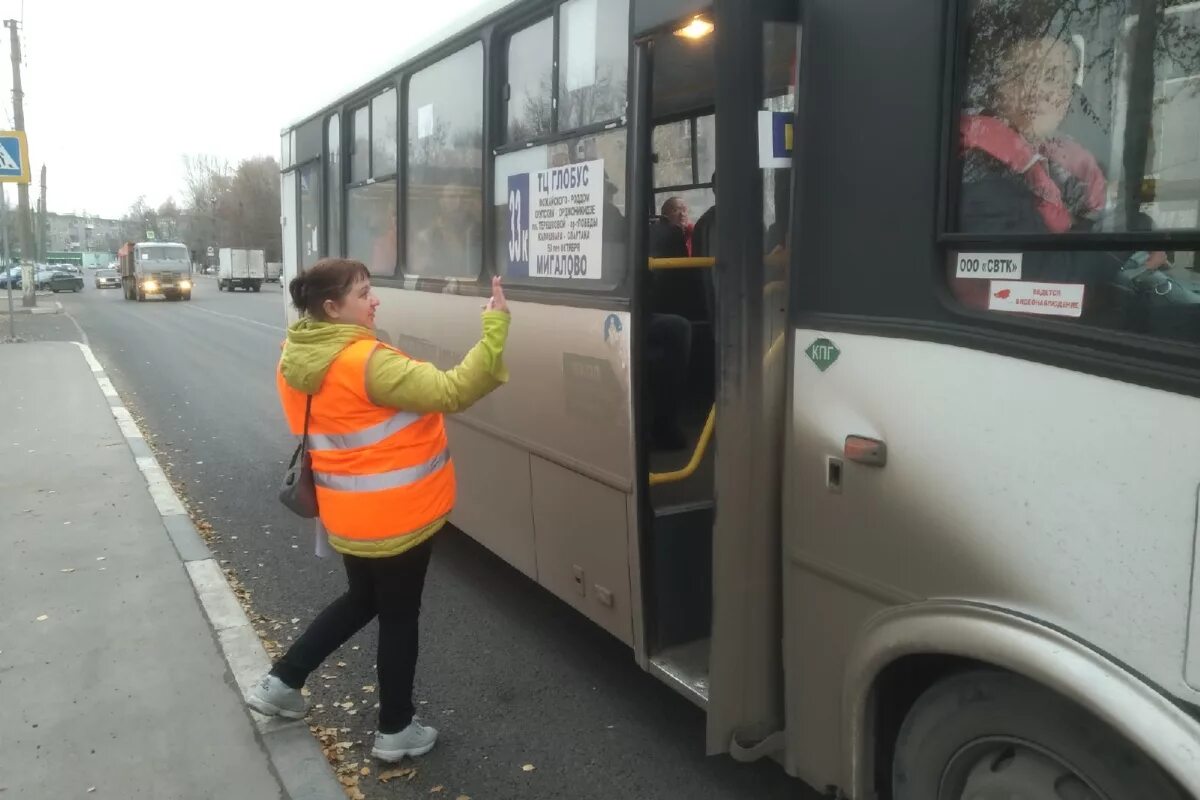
(299, 492)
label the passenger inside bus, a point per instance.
(675, 212)
(704, 232)
(1020, 173)
(453, 236)
(668, 335)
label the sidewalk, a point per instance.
(116, 681)
(45, 303)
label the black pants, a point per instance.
(668, 352)
(389, 588)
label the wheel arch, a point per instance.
(903, 650)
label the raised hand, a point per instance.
(497, 301)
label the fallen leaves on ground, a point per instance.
(528, 768)
(437, 789)
(43, 618)
(407, 773)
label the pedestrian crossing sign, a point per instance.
(14, 157)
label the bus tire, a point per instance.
(995, 734)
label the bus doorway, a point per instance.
(713, 313)
(677, 369)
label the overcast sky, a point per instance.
(116, 92)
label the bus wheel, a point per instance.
(987, 734)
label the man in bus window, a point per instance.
(675, 212)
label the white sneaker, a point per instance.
(415, 740)
(272, 696)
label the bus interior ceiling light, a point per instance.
(698, 28)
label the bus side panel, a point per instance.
(1068, 498)
(288, 217)
(581, 545)
(560, 426)
(494, 495)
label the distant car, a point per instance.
(106, 278)
(65, 280)
(41, 277)
(12, 274)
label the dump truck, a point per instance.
(155, 268)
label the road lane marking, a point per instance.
(275, 328)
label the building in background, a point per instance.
(79, 233)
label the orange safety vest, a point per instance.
(383, 476)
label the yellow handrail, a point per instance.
(777, 258)
(697, 262)
(658, 478)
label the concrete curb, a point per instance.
(294, 754)
(58, 309)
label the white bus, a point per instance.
(888, 455)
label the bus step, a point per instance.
(685, 669)
(681, 574)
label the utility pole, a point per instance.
(12, 318)
(29, 295)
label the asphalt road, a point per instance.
(509, 674)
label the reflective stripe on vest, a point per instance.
(368, 436)
(381, 474)
(394, 479)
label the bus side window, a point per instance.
(1134, 169)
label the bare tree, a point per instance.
(227, 207)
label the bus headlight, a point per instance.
(150, 286)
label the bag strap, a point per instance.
(307, 414)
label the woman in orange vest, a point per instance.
(383, 475)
